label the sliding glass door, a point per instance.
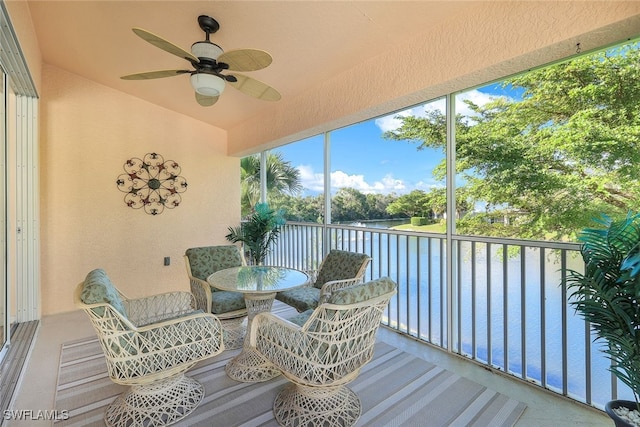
(4, 300)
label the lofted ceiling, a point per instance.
(310, 41)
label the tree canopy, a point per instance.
(563, 154)
(282, 178)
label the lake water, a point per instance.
(489, 291)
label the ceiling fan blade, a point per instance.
(246, 59)
(154, 74)
(255, 88)
(165, 45)
(206, 101)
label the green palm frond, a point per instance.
(259, 232)
(607, 294)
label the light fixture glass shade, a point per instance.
(206, 49)
(207, 84)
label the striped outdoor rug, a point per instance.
(396, 389)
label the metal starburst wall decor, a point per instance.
(152, 183)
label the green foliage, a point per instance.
(568, 151)
(414, 203)
(607, 294)
(282, 178)
(431, 204)
(258, 232)
(348, 205)
(419, 220)
(305, 209)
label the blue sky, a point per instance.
(362, 159)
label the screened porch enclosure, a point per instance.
(501, 303)
(500, 180)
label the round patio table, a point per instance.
(259, 284)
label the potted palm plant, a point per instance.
(258, 232)
(607, 295)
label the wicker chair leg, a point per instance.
(160, 403)
(297, 405)
(234, 331)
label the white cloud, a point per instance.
(339, 179)
(393, 184)
(475, 96)
(387, 184)
(428, 186)
(313, 181)
(391, 122)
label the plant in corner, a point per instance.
(258, 232)
(607, 295)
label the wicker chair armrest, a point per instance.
(155, 308)
(159, 348)
(311, 359)
(201, 325)
(201, 291)
(280, 341)
(334, 285)
(263, 321)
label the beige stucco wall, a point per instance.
(487, 42)
(87, 133)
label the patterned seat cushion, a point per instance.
(98, 289)
(340, 265)
(225, 301)
(302, 299)
(206, 260)
(128, 343)
(362, 292)
(301, 318)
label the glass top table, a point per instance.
(257, 279)
(259, 284)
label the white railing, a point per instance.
(508, 308)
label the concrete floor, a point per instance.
(36, 390)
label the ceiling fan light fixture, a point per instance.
(208, 61)
(206, 49)
(207, 84)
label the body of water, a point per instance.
(508, 305)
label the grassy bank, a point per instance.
(439, 227)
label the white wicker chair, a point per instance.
(228, 306)
(338, 269)
(323, 354)
(149, 344)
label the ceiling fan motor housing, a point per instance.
(209, 61)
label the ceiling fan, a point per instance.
(209, 61)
